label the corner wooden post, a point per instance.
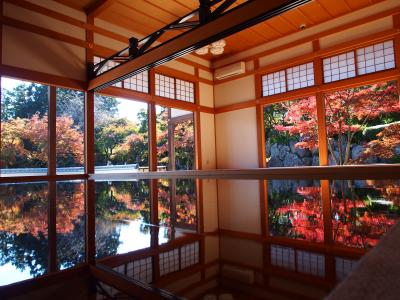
(52, 133)
(320, 102)
(89, 106)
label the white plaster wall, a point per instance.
(234, 91)
(207, 141)
(236, 139)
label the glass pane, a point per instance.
(70, 123)
(121, 135)
(24, 128)
(70, 226)
(175, 139)
(295, 209)
(363, 125)
(24, 245)
(291, 133)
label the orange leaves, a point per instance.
(25, 141)
(386, 144)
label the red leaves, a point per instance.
(25, 141)
(386, 143)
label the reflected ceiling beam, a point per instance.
(214, 27)
(98, 7)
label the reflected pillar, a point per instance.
(91, 222)
(330, 270)
(52, 226)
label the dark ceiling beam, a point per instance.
(235, 20)
(98, 7)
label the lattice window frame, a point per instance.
(375, 58)
(176, 88)
(138, 83)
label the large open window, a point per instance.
(363, 124)
(291, 133)
(175, 139)
(70, 126)
(121, 135)
(24, 128)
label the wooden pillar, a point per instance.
(152, 137)
(52, 133)
(197, 139)
(322, 133)
(171, 142)
(197, 125)
(320, 102)
(89, 106)
(52, 225)
(1, 121)
(89, 133)
(261, 151)
(152, 123)
(396, 25)
(1, 62)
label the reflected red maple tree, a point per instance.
(27, 212)
(354, 223)
(305, 216)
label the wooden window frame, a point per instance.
(175, 98)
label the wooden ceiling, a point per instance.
(147, 16)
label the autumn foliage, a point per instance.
(355, 220)
(348, 113)
(25, 142)
(24, 210)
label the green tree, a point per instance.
(109, 135)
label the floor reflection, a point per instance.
(160, 232)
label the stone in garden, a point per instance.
(356, 151)
(292, 160)
(283, 151)
(275, 162)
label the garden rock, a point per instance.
(275, 162)
(283, 152)
(356, 151)
(302, 152)
(292, 160)
(315, 160)
(307, 161)
(274, 150)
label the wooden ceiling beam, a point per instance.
(98, 7)
(235, 20)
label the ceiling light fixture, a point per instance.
(216, 48)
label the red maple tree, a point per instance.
(347, 112)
